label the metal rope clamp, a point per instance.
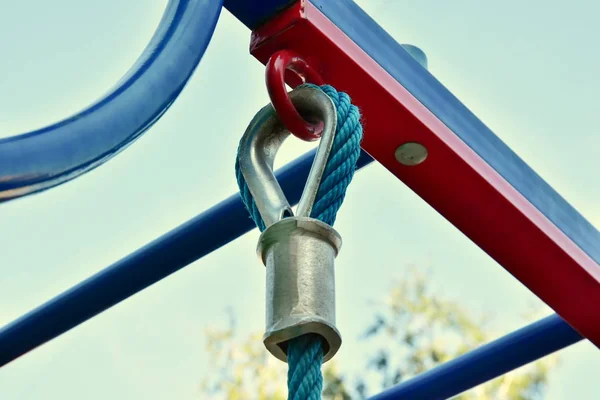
(297, 251)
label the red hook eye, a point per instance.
(277, 66)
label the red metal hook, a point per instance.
(277, 66)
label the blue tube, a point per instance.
(487, 362)
(47, 157)
(183, 245)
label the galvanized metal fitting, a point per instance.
(299, 254)
(297, 251)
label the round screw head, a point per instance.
(411, 153)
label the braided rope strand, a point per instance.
(247, 198)
(305, 356)
(305, 353)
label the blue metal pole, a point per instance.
(487, 362)
(183, 245)
(47, 157)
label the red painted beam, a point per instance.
(453, 179)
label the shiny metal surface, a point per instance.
(298, 252)
(50, 156)
(299, 255)
(258, 148)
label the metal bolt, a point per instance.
(411, 153)
(417, 54)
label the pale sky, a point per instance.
(527, 69)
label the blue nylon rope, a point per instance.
(305, 353)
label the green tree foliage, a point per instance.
(413, 330)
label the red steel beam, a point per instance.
(454, 179)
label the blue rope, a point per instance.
(305, 356)
(305, 353)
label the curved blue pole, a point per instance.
(47, 157)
